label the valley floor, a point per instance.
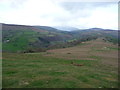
(53, 68)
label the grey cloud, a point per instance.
(17, 3)
(82, 9)
(76, 6)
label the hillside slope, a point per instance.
(53, 69)
(98, 49)
(21, 38)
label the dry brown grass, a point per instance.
(91, 50)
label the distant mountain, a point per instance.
(100, 29)
(66, 28)
(46, 28)
(20, 38)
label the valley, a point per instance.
(59, 44)
(45, 57)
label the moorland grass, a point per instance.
(38, 71)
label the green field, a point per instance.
(53, 69)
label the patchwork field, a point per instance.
(53, 68)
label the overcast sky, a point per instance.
(60, 13)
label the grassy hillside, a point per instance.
(53, 69)
(21, 38)
(17, 38)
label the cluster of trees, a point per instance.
(113, 40)
(60, 45)
(33, 50)
(72, 42)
